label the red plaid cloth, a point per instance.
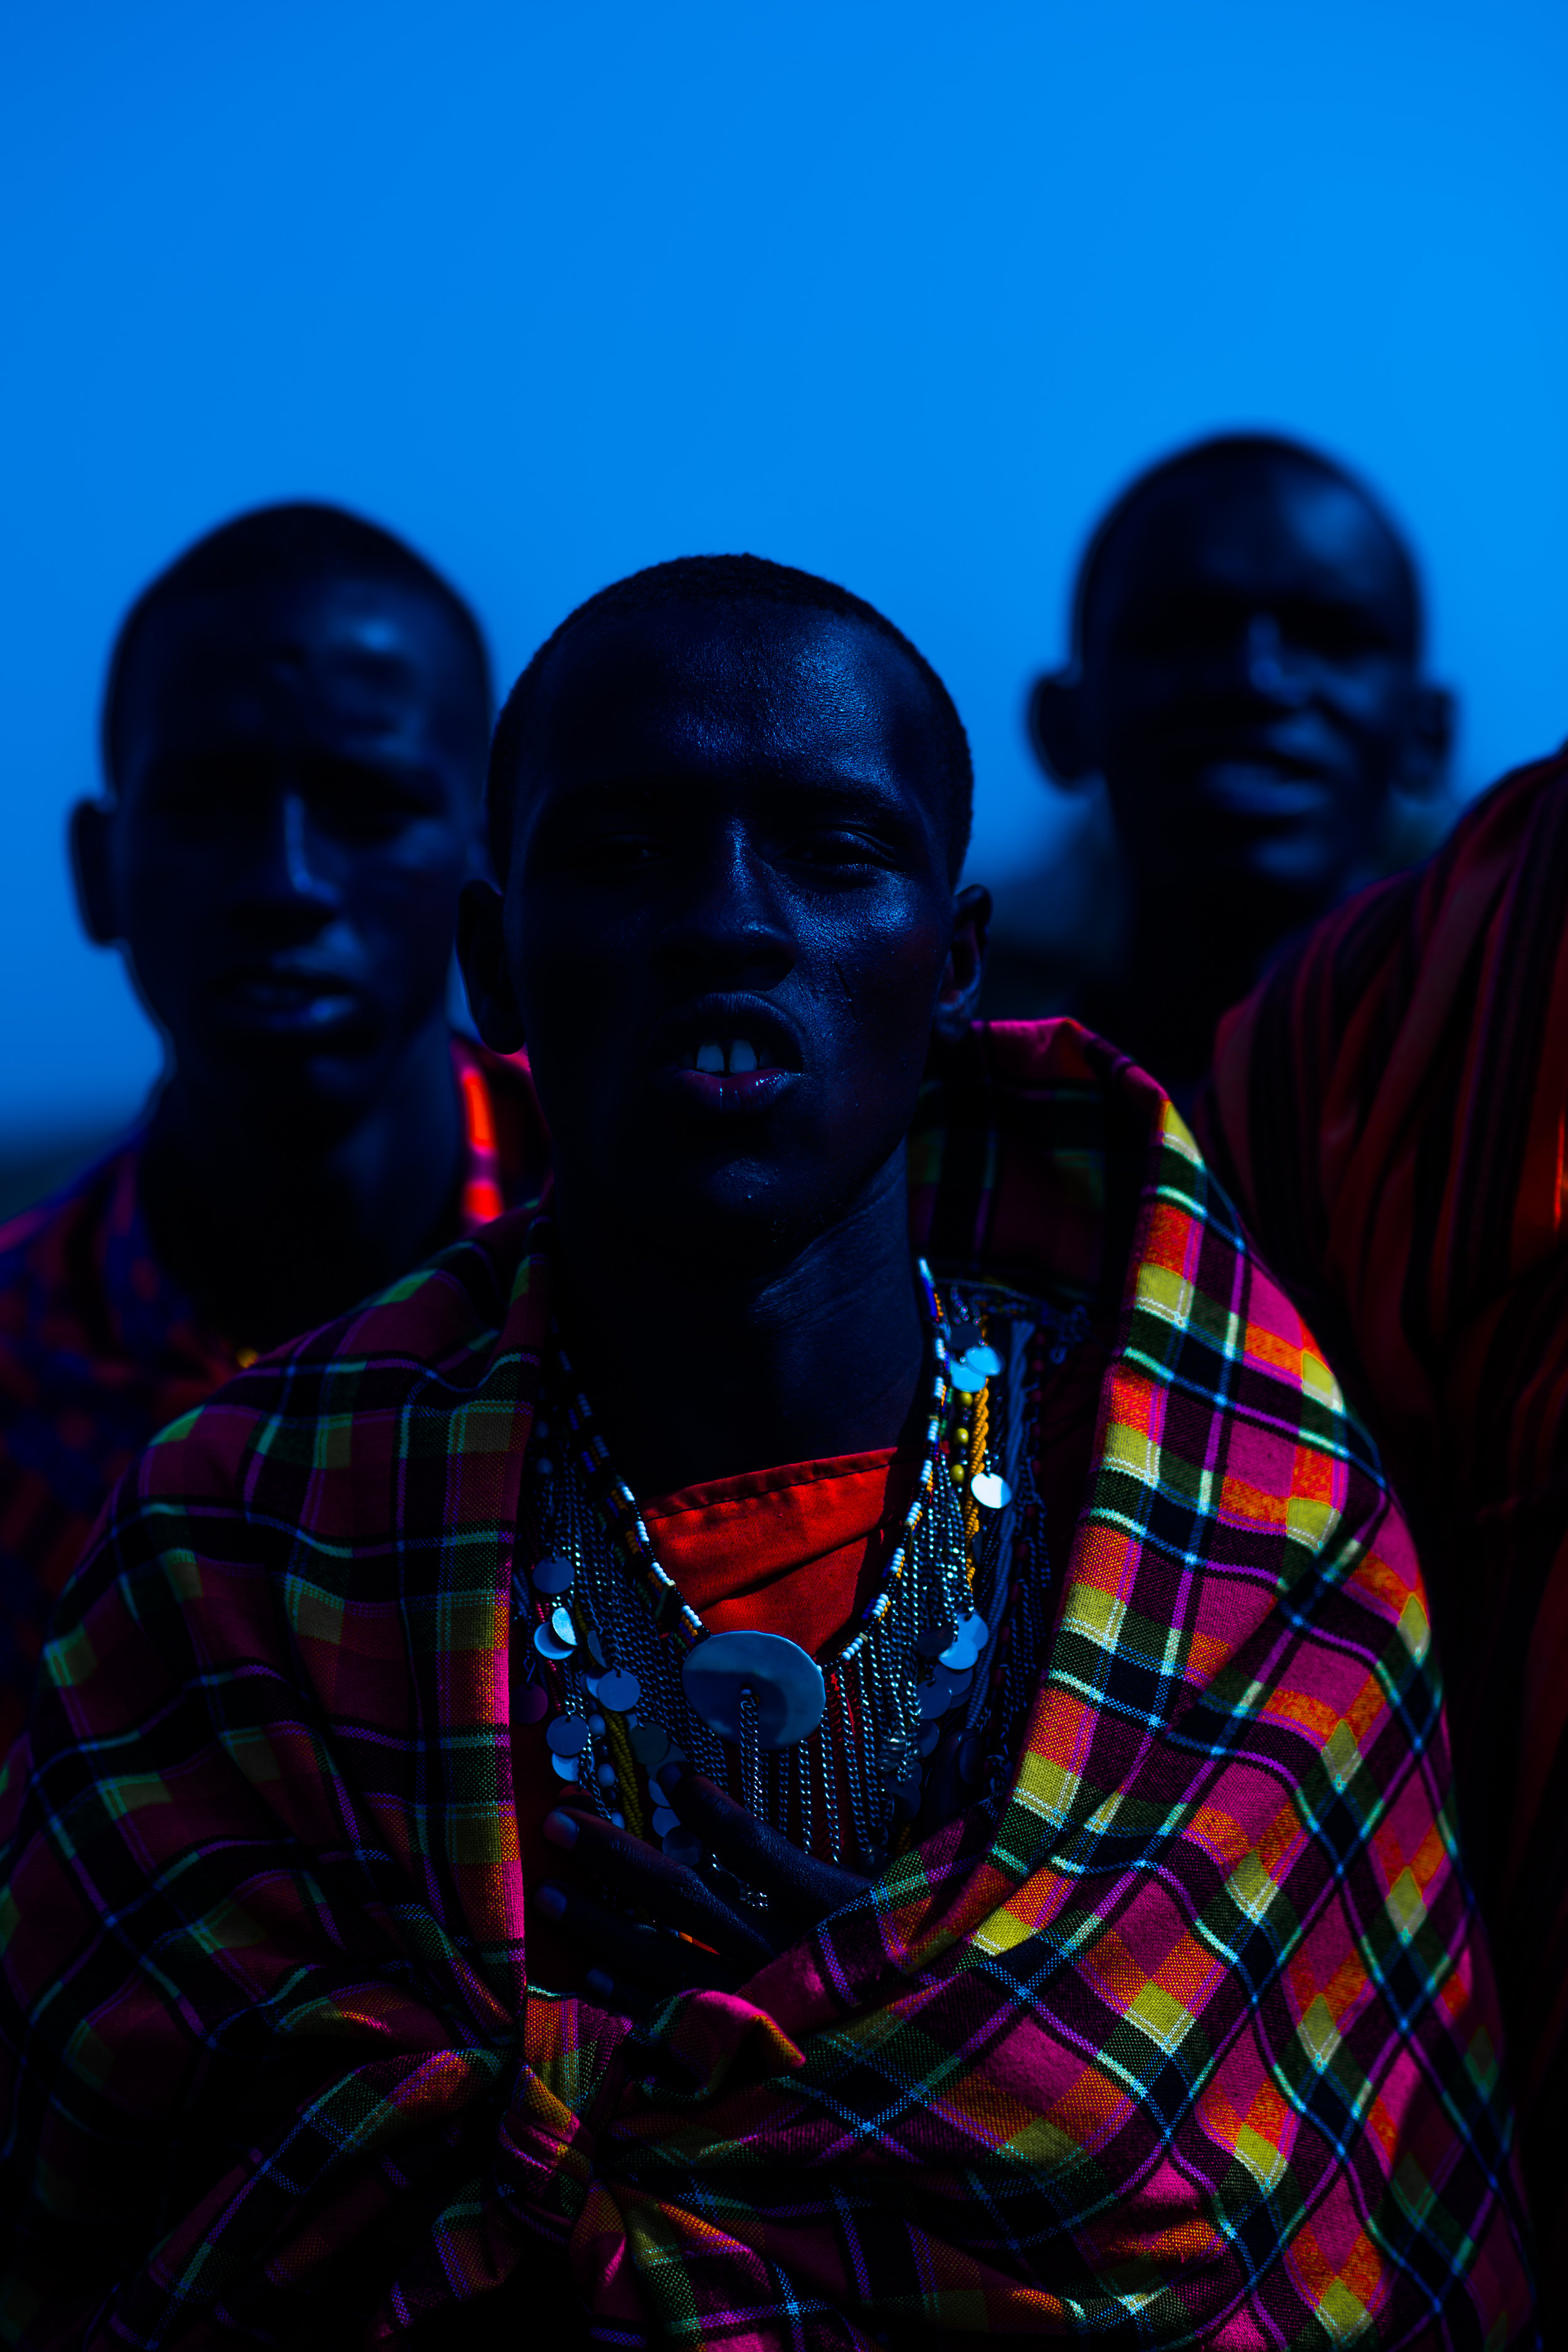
(1187, 2041)
(100, 1350)
(1391, 1111)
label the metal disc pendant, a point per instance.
(650, 1744)
(990, 1490)
(567, 1735)
(618, 1692)
(965, 1379)
(529, 1702)
(783, 1679)
(966, 1644)
(553, 1576)
(983, 1360)
(545, 1642)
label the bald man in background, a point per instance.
(295, 731)
(1246, 679)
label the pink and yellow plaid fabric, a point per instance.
(1190, 2040)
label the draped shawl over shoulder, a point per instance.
(1193, 2042)
(1392, 1108)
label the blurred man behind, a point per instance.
(1247, 680)
(294, 730)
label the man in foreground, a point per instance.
(1391, 1107)
(294, 741)
(677, 1771)
(1246, 679)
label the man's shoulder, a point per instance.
(383, 1378)
(52, 1259)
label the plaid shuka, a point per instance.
(99, 1348)
(1393, 1105)
(1193, 2042)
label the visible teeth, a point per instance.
(742, 1056)
(711, 1058)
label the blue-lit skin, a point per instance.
(296, 809)
(1248, 684)
(731, 824)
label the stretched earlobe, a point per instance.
(90, 828)
(958, 1001)
(481, 952)
(1055, 720)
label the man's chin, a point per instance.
(326, 1083)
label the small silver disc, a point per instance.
(650, 1744)
(545, 1642)
(563, 1628)
(983, 1360)
(567, 1735)
(966, 1644)
(784, 1680)
(664, 1820)
(553, 1576)
(619, 1692)
(965, 1380)
(530, 1701)
(565, 1767)
(991, 1490)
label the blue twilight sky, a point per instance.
(899, 291)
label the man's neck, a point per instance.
(697, 1374)
(275, 1225)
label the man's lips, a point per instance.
(726, 1053)
(287, 1002)
(713, 1090)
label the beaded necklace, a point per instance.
(633, 1679)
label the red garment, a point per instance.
(100, 1350)
(1390, 1110)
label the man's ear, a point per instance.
(481, 951)
(1428, 742)
(959, 997)
(90, 834)
(1056, 728)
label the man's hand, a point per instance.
(634, 1964)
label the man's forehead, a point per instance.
(1252, 520)
(711, 685)
(356, 653)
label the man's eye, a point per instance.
(837, 848)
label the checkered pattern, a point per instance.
(1392, 1107)
(100, 1349)
(1193, 2042)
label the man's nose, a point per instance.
(288, 874)
(1270, 670)
(729, 925)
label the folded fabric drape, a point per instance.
(1190, 2041)
(1391, 1108)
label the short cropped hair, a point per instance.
(1221, 449)
(728, 582)
(297, 541)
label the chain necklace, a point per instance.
(830, 1754)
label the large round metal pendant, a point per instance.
(784, 1680)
